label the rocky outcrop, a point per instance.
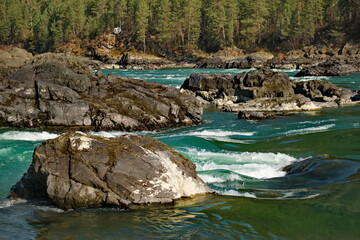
(106, 49)
(259, 91)
(243, 61)
(309, 56)
(80, 65)
(78, 170)
(138, 61)
(50, 95)
(12, 59)
(328, 68)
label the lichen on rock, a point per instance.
(79, 170)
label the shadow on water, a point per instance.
(334, 216)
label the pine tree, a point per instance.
(192, 18)
(214, 35)
(141, 21)
(254, 18)
(163, 26)
(231, 15)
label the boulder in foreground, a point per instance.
(78, 170)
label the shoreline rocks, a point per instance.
(267, 91)
(139, 61)
(79, 170)
(328, 68)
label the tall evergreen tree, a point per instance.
(141, 21)
(214, 18)
(163, 26)
(192, 18)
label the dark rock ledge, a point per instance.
(62, 96)
(264, 93)
(329, 68)
(78, 170)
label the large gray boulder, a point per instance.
(51, 95)
(78, 170)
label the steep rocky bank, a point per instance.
(78, 170)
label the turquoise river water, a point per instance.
(241, 160)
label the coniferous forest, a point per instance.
(169, 25)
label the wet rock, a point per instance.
(78, 170)
(322, 91)
(51, 95)
(265, 91)
(328, 68)
(257, 115)
(206, 82)
(263, 83)
(244, 62)
(356, 97)
(306, 165)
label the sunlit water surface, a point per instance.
(241, 160)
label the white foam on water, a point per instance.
(4, 150)
(11, 202)
(210, 179)
(255, 164)
(317, 122)
(219, 133)
(49, 209)
(307, 78)
(108, 134)
(285, 70)
(310, 129)
(114, 134)
(27, 136)
(213, 179)
(236, 193)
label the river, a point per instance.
(241, 160)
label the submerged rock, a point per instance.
(52, 95)
(305, 165)
(78, 170)
(263, 91)
(258, 115)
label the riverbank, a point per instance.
(106, 55)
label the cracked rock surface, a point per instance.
(49, 95)
(79, 170)
(264, 90)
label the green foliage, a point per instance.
(168, 25)
(142, 21)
